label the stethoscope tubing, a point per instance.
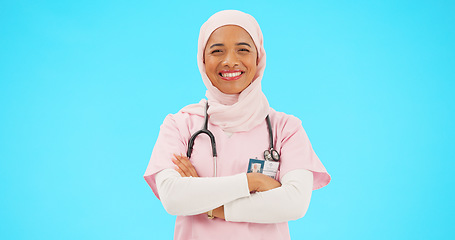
(270, 154)
(206, 131)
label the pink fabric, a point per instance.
(233, 112)
(233, 156)
(244, 114)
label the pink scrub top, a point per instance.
(234, 153)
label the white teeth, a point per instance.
(234, 74)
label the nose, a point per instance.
(230, 60)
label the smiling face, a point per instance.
(230, 58)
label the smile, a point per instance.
(230, 75)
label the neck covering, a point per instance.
(232, 112)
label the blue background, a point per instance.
(85, 85)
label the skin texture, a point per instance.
(230, 48)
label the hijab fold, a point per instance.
(232, 112)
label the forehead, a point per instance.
(228, 34)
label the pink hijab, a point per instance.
(233, 112)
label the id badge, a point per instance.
(269, 168)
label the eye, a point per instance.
(215, 51)
(244, 50)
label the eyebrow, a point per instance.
(217, 45)
(238, 44)
(243, 43)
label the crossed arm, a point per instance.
(251, 197)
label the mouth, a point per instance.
(231, 75)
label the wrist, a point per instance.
(219, 212)
(252, 181)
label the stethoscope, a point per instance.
(269, 155)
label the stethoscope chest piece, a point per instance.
(271, 155)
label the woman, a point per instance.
(219, 199)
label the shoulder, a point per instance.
(287, 127)
(281, 120)
(186, 115)
(181, 118)
(182, 122)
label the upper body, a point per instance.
(234, 153)
(231, 60)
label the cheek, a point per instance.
(252, 67)
(210, 66)
(211, 70)
(252, 62)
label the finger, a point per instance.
(189, 166)
(180, 171)
(177, 161)
(267, 183)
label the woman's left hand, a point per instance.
(184, 166)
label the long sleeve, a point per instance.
(190, 196)
(288, 202)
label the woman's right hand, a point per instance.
(184, 166)
(258, 182)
